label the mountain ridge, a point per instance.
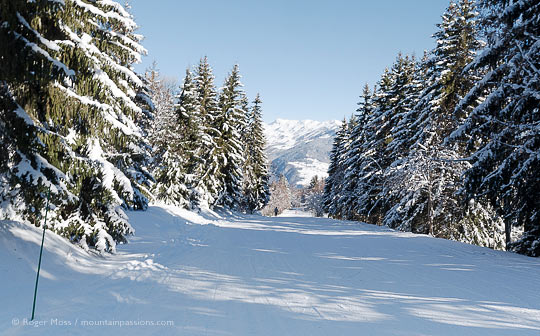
(299, 149)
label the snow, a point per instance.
(104, 78)
(71, 136)
(39, 50)
(122, 17)
(309, 168)
(126, 125)
(233, 274)
(21, 113)
(295, 213)
(24, 169)
(111, 174)
(49, 44)
(300, 148)
(285, 134)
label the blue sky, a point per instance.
(307, 59)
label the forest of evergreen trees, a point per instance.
(449, 144)
(76, 119)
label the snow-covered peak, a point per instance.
(284, 134)
(299, 149)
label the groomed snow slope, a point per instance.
(249, 275)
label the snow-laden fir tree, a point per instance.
(162, 97)
(208, 179)
(168, 155)
(68, 100)
(333, 189)
(504, 128)
(388, 117)
(369, 205)
(244, 106)
(353, 177)
(404, 88)
(393, 90)
(372, 191)
(191, 132)
(143, 99)
(445, 81)
(256, 188)
(230, 122)
(428, 179)
(403, 130)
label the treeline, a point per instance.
(449, 145)
(76, 119)
(208, 145)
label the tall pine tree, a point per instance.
(256, 188)
(353, 177)
(504, 128)
(333, 189)
(429, 176)
(169, 144)
(230, 122)
(68, 94)
(209, 183)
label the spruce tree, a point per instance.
(371, 203)
(314, 196)
(191, 129)
(208, 179)
(503, 129)
(404, 131)
(230, 121)
(256, 189)
(428, 178)
(333, 189)
(353, 177)
(169, 145)
(68, 94)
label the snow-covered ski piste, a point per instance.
(227, 274)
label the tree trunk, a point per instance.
(508, 232)
(430, 201)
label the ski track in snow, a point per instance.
(217, 274)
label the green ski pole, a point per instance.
(41, 253)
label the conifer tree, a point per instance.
(503, 129)
(405, 129)
(162, 98)
(353, 177)
(230, 121)
(67, 78)
(369, 204)
(376, 158)
(256, 189)
(169, 144)
(191, 132)
(389, 110)
(333, 189)
(429, 176)
(208, 179)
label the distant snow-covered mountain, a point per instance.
(300, 149)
